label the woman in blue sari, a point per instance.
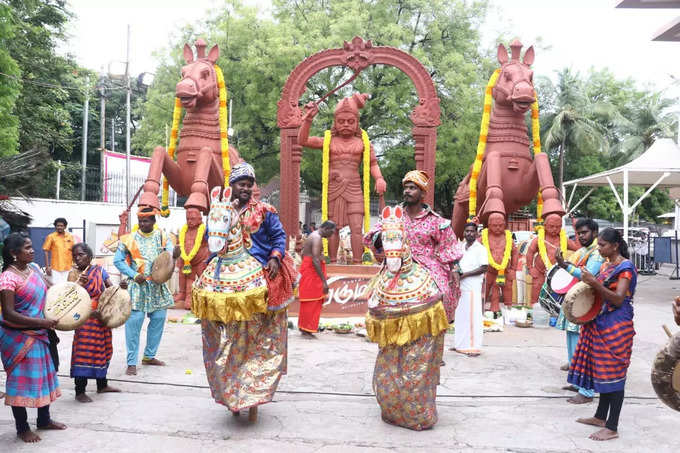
(24, 344)
(605, 346)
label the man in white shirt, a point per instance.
(469, 325)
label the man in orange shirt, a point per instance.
(58, 245)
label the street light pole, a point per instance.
(102, 134)
(127, 122)
(83, 176)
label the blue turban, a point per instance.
(240, 171)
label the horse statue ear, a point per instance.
(188, 54)
(214, 54)
(502, 54)
(215, 194)
(398, 212)
(387, 211)
(529, 56)
(226, 196)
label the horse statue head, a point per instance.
(515, 85)
(394, 241)
(198, 86)
(223, 226)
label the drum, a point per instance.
(559, 280)
(549, 300)
(581, 304)
(162, 268)
(114, 307)
(666, 373)
(73, 275)
(69, 304)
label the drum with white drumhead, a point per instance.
(69, 304)
(114, 306)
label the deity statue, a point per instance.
(345, 195)
(539, 261)
(497, 243)
(192, 261)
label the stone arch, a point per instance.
(356, 55)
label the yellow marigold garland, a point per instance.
(536, 135)
(176, 115)
(186, 268)
(541, 245)
(481, 145)
(366, 258)
(325, 170)
(507, 252)
(325, 163)
(224, 140)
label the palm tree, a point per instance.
(650, 119)
(573, 125)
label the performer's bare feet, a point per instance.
(154, 362)
(591, 421)
(83, 398)
(571, 388)
(131, 370)
(108, 389)
(308, 335)
(579, 399)
(29, 437)
(565, 367)
(53, 425)
(604, 434)
(252, 414)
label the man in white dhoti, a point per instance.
(468, 324)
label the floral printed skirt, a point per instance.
(244, 360)
(405, 382)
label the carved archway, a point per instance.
(356, 55)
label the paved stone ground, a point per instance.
(509, 399)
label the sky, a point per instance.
(577, 33)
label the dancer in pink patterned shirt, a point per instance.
(433, 243)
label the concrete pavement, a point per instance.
(509, 399)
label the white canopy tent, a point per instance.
(659, 166)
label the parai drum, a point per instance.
(162, 268)
(666, 373)
(69, 304)
(114, 306)
(581, 304)
(559, 280)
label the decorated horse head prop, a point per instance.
(401, 281)
(221, 220)
(233, 284)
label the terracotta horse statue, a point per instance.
(199, 158)
(509, 177)
(233, 271)
(407, 319)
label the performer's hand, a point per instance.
(272, 267)
(48, 323)
(82, 280)
(560, 259)
(96, 314)
(176, 252)
(380, 186)
(588, 278)
(123, 284)
(325, 288)
(48, 271)
(139, 278)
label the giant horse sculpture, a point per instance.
(509, 177)
(199, 156)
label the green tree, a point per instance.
(10, 88)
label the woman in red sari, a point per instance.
(92, 349)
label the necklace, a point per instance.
(24, 273)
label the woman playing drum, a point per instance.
(603, 352)
(92, 347)
(24, 344)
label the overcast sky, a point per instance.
(581, 33)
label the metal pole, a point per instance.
(58, 177)
(113, 134)
(83, 176)
(626, 211)
(102, 142)
(127, 121)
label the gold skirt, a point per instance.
(244, 360)
(405, 382)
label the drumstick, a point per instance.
(667, 330)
